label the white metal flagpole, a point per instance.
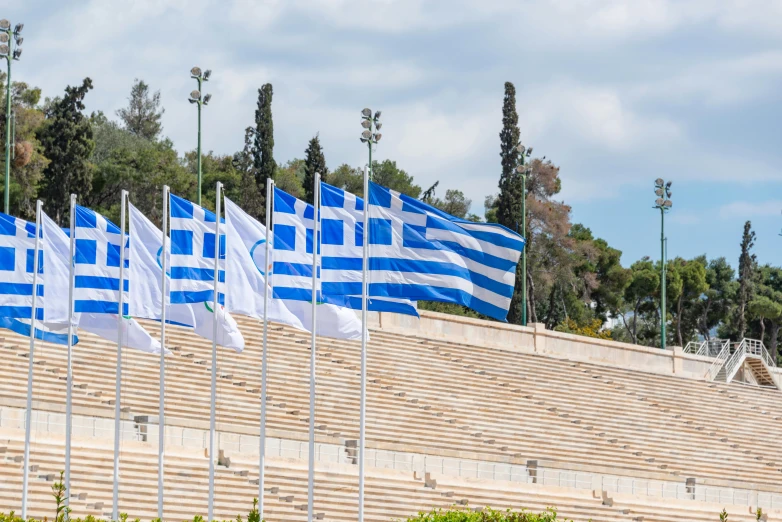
(69, 378)
(267, 274)
(162, 403)
(215, 311)
(29, 411)
(315, 244)
(118, 384)
(364, 298)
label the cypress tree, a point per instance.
(314, 161)
(747, 264)
(67, 141)
(510, 197)
(263, 153)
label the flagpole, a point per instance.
(162, 393)
(28, 424)
(69, 378)
(315, 244)
(215, 310)
(267, 282)
(364, 333)
(118, 384)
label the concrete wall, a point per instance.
(536, 339)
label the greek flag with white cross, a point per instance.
(419, 252)
(17, 251)
(193, 253)
(293, 247)
(96, 264)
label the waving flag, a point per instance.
(421, 253)
(246, 273)
(17, 250)
(293, 244)
(193, 253)
(96, 264)
(145, 300)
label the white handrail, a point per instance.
(719, 361)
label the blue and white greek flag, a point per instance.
(292, 268)
(17, 251)
(193, 253)
(96, 264)
(421, 253)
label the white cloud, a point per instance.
(751, 209)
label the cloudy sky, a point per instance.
(615, 92)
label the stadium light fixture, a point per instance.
(370, 135)
(198, 98)
(664, 205)
(366, 123)
(366, 113)
(10, 54)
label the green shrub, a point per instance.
(465, 514)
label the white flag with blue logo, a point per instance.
(421, 253)
(246, 273)
(146, 296)
(193, 253)
(293, 244)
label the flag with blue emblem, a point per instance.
(293, 246)
(193, 253)
(419, 252)
(96, 264)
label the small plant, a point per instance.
(253, 515)
(59, 492)
(724, 516)
(759, 514)
(463, 514)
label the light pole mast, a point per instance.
(196, 97)
(8, 52)
(663, 192)
(523, 171)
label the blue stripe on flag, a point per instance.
(340, 263)
(99, 283)
(190, 297)
(21, 328)
(434, 293)
(95, 306)
(196, 274)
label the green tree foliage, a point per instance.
(454, 203)
(348, 178)
(143, 114)
(289, 178)
(509, 201)
(465, 514)
(638, 299)
(214, 168)
(28, 161)
(387, 174)
(693, 284)
(714, 304)
(67, 140)
(250, 197)
(314, 162)
(263, 153)
(747, 266)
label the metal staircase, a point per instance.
(747, 361)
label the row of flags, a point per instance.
(336, 257)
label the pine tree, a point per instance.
(143, 113)
(263, 154)
(510, 197)
(67, 141)
(314, 161)
(747, 265)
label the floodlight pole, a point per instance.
(200, 81)
(663, 193)
(9, 59)
(200, 100)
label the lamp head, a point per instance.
(4, 49)
(366, 124)
(363, 140)
(366, 113)
(366, 134)
(668, 203)
(658, 191)
(5, 24)
(658, 182)
(17, 53)
(207, 98)
(207, 74)
(18, 39)
(378, 125)
(18, 28)
(195, 72)
(4, 38)
(659, 202)
(668, 185)
(377, 136)
(377, 115)
(195, 95)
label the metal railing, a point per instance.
(719, 362)
(752, 348)
(708, 348)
